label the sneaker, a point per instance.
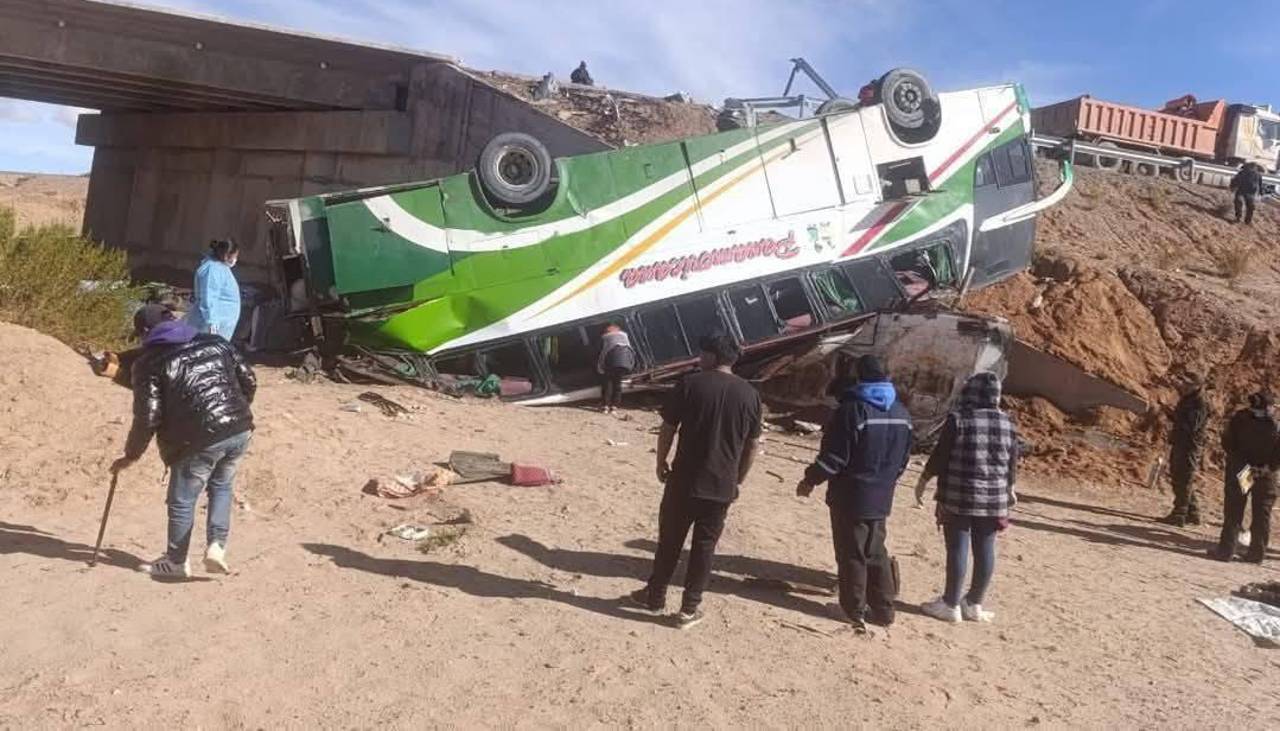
(215, 559)
(1174, 519)
(1218, 555)
(974, 612)
(686, 618)
(164, 567)
(644, 599)
(939, 609)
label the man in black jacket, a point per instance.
(1246, 185)
(865, 448)
(1249, 441)
(193, 393)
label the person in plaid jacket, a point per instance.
(976, 464)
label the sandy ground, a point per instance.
(328, 623)
(39, 199)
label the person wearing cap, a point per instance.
(193, 393)
(716, 416)
(1248, 441)
(865, 448)
(216, 294)
(976, 462)
(1186, 443)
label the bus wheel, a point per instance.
(906, 97)
(515, 169)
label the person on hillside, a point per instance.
(865, 448)
(580, 75)
(193, 393)
(617, 359)
(1186, 443)
(1249, 441)
(976, 462)
(717, 418)
(1246, 185)
(216, 296)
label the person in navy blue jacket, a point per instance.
(865, 448)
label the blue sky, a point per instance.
(1135, 51)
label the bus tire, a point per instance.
(907, 98)
(515, 169)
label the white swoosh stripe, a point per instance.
(410, 227)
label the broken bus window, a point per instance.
(700, 317)
(791, 304)
(875, 283)
(836, 293)
(755, 318)
(662, 333)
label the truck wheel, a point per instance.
(1108, 163)
(907, 98)
(837, 105)
(515, 169)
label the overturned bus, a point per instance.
(776, 234)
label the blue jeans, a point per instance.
(961, 532)
(213, 469)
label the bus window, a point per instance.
(513, 367)
(791, 304)
(836, 294)
(755, 319)
(700, 317)
(984, 172)
(458, 365)
(662, 333)
(1011, 163)
(874, 282)
(571, 355)
(922, 270)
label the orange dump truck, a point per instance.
(1184, 128)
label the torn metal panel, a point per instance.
(1033, 372)
(929, 356)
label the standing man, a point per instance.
(1246, 185)
(1187, 441)
(1249, 441)
(717, 417)
(193, 393)
(865, 447)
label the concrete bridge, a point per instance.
(202, 120)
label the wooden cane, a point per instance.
(102, 529)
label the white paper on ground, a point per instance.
(1258, 620)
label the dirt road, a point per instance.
(518, 623)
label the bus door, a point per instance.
(1003, 179)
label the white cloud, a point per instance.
(20, 112)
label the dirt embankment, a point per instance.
(619, 118)
(1144, 282)
(42, 199)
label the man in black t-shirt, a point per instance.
(717, 416)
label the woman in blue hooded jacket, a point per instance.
(216, 305)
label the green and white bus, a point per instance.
(770, 233)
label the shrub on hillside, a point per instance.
(58, 282)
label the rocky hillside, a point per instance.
(1145, 282)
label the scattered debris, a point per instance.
(1256, 619)
(351, 406)
(388, 407)
(775, 475)
(805, 427)
(615, 443)
(442, 537)
(487, 467)
(1267, 592)
(547, 88)
(410, 532)
(405, 486)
